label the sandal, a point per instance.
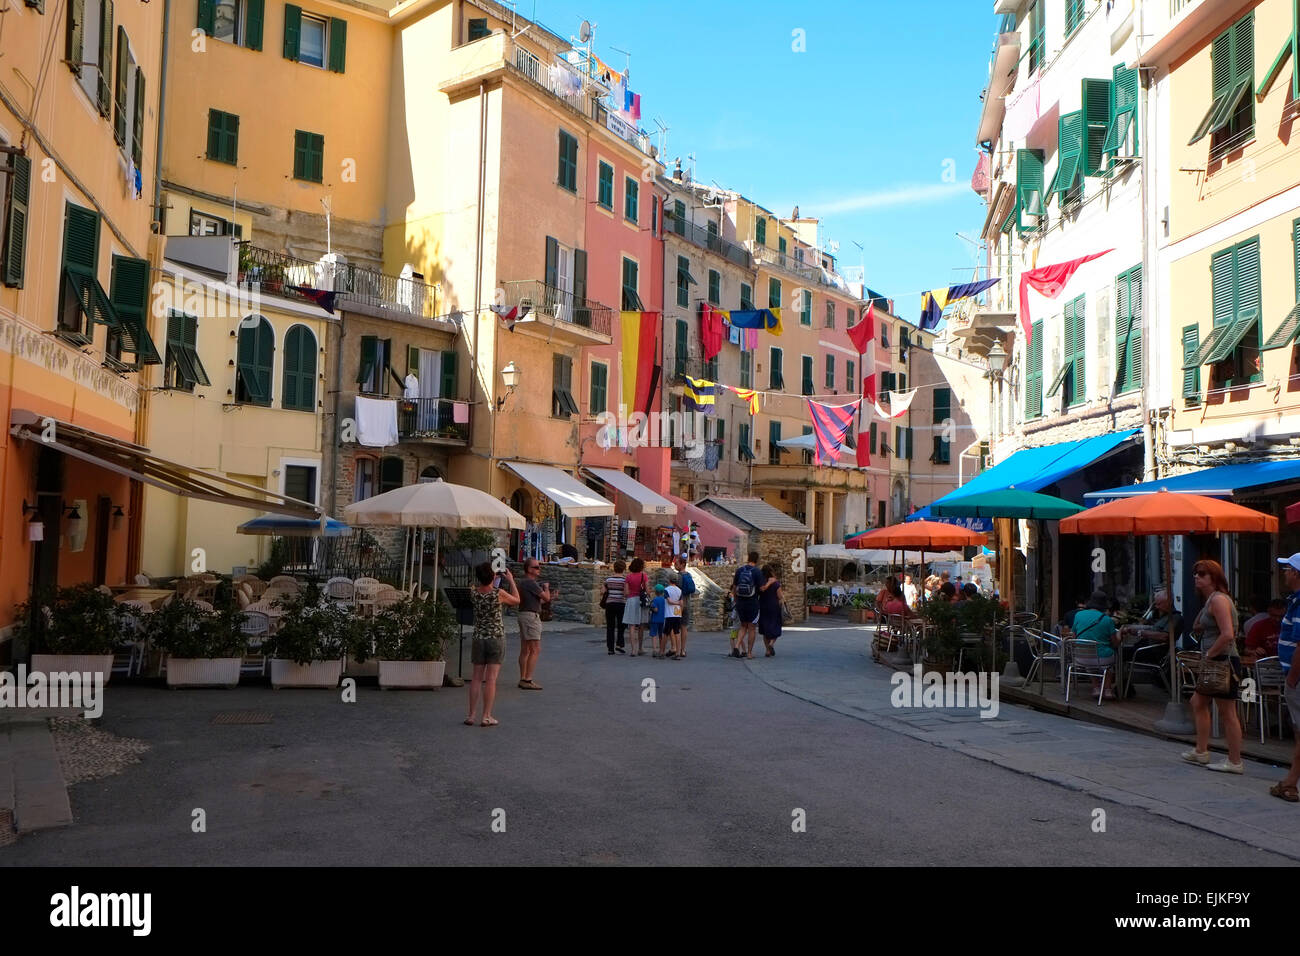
(469, 721)
(1289, 794)
(489, 722)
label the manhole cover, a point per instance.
(242, 717)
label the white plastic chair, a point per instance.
(341, 590)
(256, 625)
(143, 580)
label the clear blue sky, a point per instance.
(855, 130)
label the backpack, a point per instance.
(688, 584)
(745, 586)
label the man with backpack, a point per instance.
(744, 588)
(688, 588)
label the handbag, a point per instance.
(787, 616)
(545, 613)
(604, 598)
(1214, 678)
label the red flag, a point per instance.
(830, 424)
(1050, 281)
(864, 453)
(711, 332)
(868, 352)
(864, 333)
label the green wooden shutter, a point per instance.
(1096, 99)
(129, 295)
(1069, 150)
(105, 57)
(292, 360)
(1247, 278)
(942, 406)
(120, 83)
(774, 293)
(1034, 375)
(1221, 287)
(1191, 371)
(81, 240)
(478, 28)
(254, 17)
(598, 401)
(1029, 187)
(292, 30)
(72, 54)
(207, 16)
(1295, 233)
(872, 445)
(1073, 15)
(137, 123)
(369, 347)
(807, 369)
(679, 347)
(448, 385)
(15, 247)
(715, 287)
(214, 134)
(1075, 351)
(582, 315)
(1123, 113)
(338, 45)
(550, 277)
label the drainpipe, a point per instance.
(335, 450)
(478, 282)
(1148, 312)
(162, 106)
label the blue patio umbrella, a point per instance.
(290, 527)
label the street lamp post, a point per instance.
(997, 359)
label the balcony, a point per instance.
(793, 473)
(808, 271)
(433, 420)
(558, 311)
(731, 251)
(286, 276)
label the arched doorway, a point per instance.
(431, 473)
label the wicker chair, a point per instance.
(341, 590)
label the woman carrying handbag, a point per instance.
(1220, 675)
(636, 613)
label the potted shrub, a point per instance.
(313, 638)
(819, 600)
(862, 608)
(942, 635)
(472, 546)
(83, 630)
(410, 637)
(204, 649)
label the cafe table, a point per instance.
(154, 597)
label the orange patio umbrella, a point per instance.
(920, 536)
(1168, 513)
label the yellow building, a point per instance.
(1226, 226)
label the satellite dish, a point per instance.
(584, 31)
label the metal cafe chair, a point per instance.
(1269, 688)
(1085, 662)
(1044, 648)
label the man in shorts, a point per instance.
(744, 588)
(532, 594)
(1286, 642)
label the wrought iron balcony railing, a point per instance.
(560, 304)
(702, 237)
(293, 278)
(433, 419)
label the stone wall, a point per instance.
(580, 586)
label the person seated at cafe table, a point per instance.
(947, 592)
(1261, 639)
(890, 600)
(1093, 625)
(1155, 623)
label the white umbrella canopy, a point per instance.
(435, 504)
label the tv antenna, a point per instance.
(663, 136)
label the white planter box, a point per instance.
(66, 663)
(203, 671)
(416, 675)
(316, 674)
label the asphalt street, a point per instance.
(716, 770)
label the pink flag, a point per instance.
(1050, 281)
(979, 180)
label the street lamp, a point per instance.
(510, 379)
(997, 359)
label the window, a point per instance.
(1128, 330)
(773, 439)
(256, 357)
(1029, 190)
(598, 400)
(904, 343)
(1067, 184)
(376, 366)
(129, 295)
(1034, 373)
(183, 369)
(1230, 120)
(363, 485)
(654, 215)
(562, 403)
(1121, 140)
(299, 391)
(715, 287)
(902, 382)
(315, 40)
(872, 446)
(605, 192)
(1037, 36)
(884, 336)
(848, 317)
(1073, 15)
(684, 280)
(223, 137)
(746, 296)
(128, 99)
(1097, 99)
(1191, 369)
(830, 371)
(774, 293)
(1071, 375)
(202, 224)
(478, 28)
(679, 217)
(760, 231)
(82, 302)
(805, 311)
(805, 431)
(902, 442)
(1233, 344)
(711, 369)
(746, 369)
(567, 176)
(744, 450)
(631, 198)
(308, 156)
(631, 298)
(830, 314)
(721, 437)
(300, 482)
(88, 48)
(680, 349)
(942, 406)
(888, 382)
(775, 381)
(942, 454)
(235, 21)
(13, 253)
(850, 376)
(808, 387)
(781, 246)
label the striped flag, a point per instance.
(747, 395)
(701, 395)
(863, 336)
(831, 424)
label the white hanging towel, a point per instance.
(411, 387)
(376, 422)
(899, 402)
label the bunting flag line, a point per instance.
(769, 319)
(1050, 281)
(322, 297)
(831, 425)
(935, 301)
(701, 395)
(747, 395)
(899, 402)
(512, 315)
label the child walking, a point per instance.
(658, 614)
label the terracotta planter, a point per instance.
(412, 675)
(67, 663)
(316, 674)
(203, 671)
(819, 609)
